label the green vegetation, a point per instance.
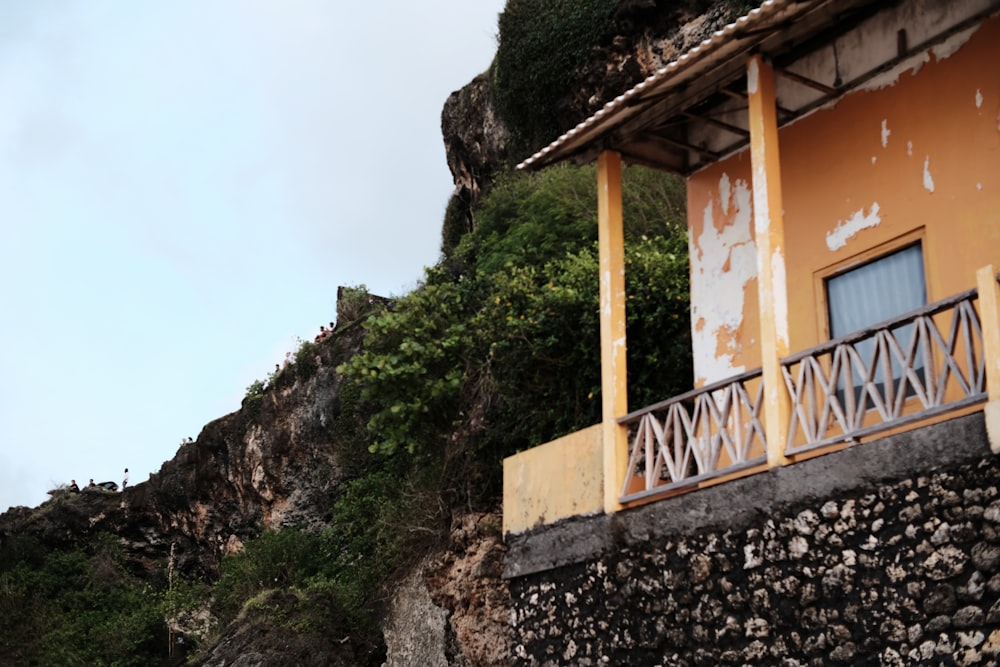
(77, 607)
(495, 352)
(498, 350)
(541, 44)
(353, 303)
(334, 572)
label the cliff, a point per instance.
(273, 463)
(640, 37)
(279, 462)
(284, 458)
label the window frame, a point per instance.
(858, 260)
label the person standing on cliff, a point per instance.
(125, 480)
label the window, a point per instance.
(873, 293)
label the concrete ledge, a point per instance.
(735, 504)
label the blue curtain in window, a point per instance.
(876, 291)
(873, 293)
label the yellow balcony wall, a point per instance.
(554, 481)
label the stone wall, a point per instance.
(887, 553)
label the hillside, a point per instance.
(348, 513)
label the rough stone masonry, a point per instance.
(886, 553)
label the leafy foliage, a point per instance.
(541, 43)
(275, 559)
(498, 350)
(495, 352)
(78, 607)
(353, 303)
(338, 571)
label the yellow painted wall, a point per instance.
(559, 479)
(920, 157)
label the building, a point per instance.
(842, 160)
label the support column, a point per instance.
(989, 315)
(769, 232)
(614, 397)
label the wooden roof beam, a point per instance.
(743, 96)
(806, 81)
(734, 129)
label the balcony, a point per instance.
(915, 367)
(926, 365)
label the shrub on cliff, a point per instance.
(498, 349)
(76, 607)
(541, 43)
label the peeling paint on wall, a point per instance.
(780, 297)
(723, 261)
(950, 46)
(941, 51)
(909, 148)
(847, 229)
(928, 179)
(885, 133)
(979, 99)
(752, 77)
(724, 193)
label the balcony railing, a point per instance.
(923, 363)
(699, 435)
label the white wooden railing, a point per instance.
(702, 434)
(921, 364)
(926, 362)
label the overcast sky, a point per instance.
(183, 186)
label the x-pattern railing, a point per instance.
(695, 436)
(866, 382)
(916, 366)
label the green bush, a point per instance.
(371, 521)
(78, 607)
(276, 559)
(499, 349)
(353, 303)
(334, 574)
(541, 44)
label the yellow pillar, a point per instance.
(769, 231)
(989, 314)
(614, 399)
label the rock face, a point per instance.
(453, 608)
(277, 462)
(272, 464)
(475, 138)
(644, 35)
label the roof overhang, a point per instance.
(691, 112)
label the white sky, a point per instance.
(183, 186)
